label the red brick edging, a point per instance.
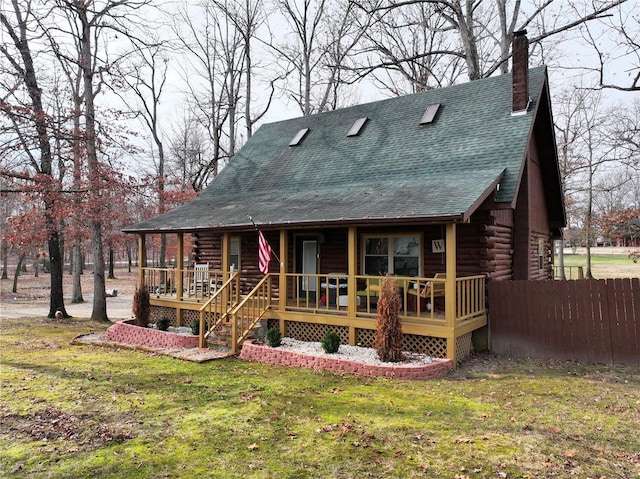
(281, 357)
(125, 332)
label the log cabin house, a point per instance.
(445, 189)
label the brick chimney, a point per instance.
(520, 73)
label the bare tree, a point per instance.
(587, 153)
(246, 17)
(214, 57)
(484, 28)
(93, 19)
(616, 43)
(314, 56)
(17, 23)
(568, 127)
(395, 46)
(145, 75)
(72, 72)
(188, 154)
(626, 134)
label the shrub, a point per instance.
(388, 339)
(195, 327)
(273, 337)
(141, 306)
(163, 323)
(330, 342)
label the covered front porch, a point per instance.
(439, 311)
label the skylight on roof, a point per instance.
(299, 136)
(357, 126)
(429, 114)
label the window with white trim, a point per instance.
(393, 254)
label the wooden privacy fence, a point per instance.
(587, 320)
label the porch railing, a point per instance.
(196, 284)
(470, 298)
(423, 299)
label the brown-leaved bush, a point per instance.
(141, 306)
(388, 340)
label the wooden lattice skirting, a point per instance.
(432, 346)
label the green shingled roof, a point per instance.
(395, 167)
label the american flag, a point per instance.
(264, 253)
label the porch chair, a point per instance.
(437, 287)
(372, 290)
(200, 278)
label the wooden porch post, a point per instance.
(450, 291)
(179, 275)
(180, 266)
(282, 281)
(226, 264)
(351, 280)
(226, 249)
(142, 258)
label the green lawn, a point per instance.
(603, 265)
(69, 411)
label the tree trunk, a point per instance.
(17, 273)
(5, 259)
(28, 74)
(111, 275)
(76, 269)
(56, 302)
(99, 311)
(561, 274)
(588, 224)
(468, 39)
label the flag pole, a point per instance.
(258, 230)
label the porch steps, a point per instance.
(222, 338)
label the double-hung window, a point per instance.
(393, 254)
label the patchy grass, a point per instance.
(69, 411)
(604, 265)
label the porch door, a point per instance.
(308, 264)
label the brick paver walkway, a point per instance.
(198, 355)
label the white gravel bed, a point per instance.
(352, 353)
(174, 329)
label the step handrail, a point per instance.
(227, 287)
(236, 339)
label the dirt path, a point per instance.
(32, 298)
(117, 308)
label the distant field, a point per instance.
(605, 262)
